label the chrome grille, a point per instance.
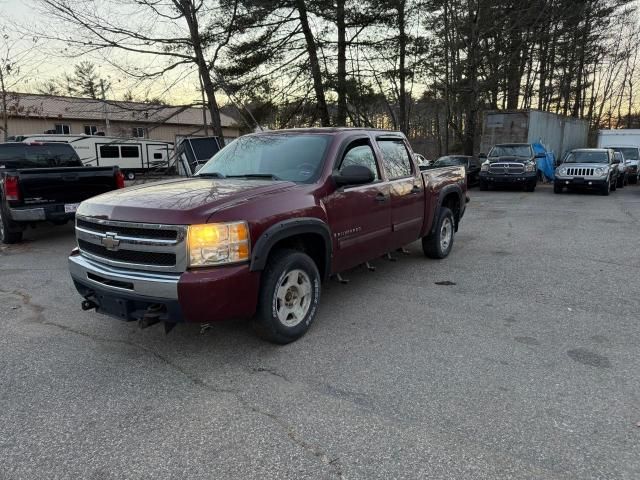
(140, 246)
(580, 172)
(506, 168)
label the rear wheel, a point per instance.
(9, 232)
(620, 182)
(130, 175)
(439, 244)
(289, 296)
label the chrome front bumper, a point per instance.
(121, 281)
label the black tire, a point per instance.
(557, 188)
(606, 188)
(633, 180)
(433, 245)
(9, 232)
(530, 187)
(613, 186)
(130, 175)
(268, 323)
(484, 186)
(620, 182)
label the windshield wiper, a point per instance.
(255, 175)
(210, 174)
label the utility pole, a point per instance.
(104, 108)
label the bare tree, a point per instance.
(16, 59)
(182, 35)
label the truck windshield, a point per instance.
(17, 155)
(628, 153)
(296, 158)
(511, 151)
(587, 156)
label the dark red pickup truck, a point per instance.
(259, 228)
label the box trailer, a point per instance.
(558, 134)
(131, 155)
(619, 138)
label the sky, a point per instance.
(49, 62)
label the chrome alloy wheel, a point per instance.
(446, 234)
(293, 297)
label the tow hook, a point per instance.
(151, 316)
(88, 304)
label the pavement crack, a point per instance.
(313, 450)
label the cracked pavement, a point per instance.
(517, 357)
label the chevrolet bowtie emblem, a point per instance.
(110, 242)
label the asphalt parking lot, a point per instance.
(522, 363)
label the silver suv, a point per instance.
(591, 168)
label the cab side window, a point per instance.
(361, 153)
(395, 158)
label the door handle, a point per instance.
(416, 189)
(381, 197)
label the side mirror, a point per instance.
(616, 161)
(354, 175)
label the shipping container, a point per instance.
(558, 134)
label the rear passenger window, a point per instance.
(109, 151)
(130, 152)
(395, 158)
(361, 153)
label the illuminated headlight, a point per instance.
(562, 171)
(530, 167)
(218, 243)
(484, 167)
(601, 171)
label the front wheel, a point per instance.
(606, 188)
(484, 186)
(557, 188)
(289, 297)
(439, 244)
(620, 182)
(530, 187)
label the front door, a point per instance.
(406, 190)
(360, 216)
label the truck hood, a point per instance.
(584, 165)
(178, 202)
(510, 159)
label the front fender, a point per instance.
(289, 228)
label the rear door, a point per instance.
(157, 155)
(360, 216)
(406, 189)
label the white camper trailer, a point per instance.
(133, 156)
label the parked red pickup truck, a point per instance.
(259, 228)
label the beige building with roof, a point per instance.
(38, 114)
